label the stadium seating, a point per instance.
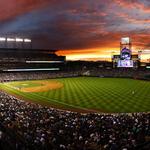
(25, 125)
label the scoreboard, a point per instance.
(125, 59)
(125, 63)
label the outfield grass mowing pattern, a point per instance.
(102, 94)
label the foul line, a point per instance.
(78, 107)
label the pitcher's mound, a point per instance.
(43, 86)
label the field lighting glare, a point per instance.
(2, 39)
(27, 40)
(10, 39)
(19, 40)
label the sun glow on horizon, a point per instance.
(97, 54)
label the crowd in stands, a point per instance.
(130, 73)
(25, 126)
(4, 77)
(101, 72)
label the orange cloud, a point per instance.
(81, 29)
(89, 54)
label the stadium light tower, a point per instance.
(19, 43)
(10, 40)
(2, 39)
(27, 40)
(19, 40)
(3, 42)
(15, 42)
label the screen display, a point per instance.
(125, 63)
(125, 54)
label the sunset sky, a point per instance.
(80, 29)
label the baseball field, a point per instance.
(90, 94)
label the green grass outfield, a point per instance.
(89, 93)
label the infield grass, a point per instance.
(89, 93)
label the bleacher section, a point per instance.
(29, 59)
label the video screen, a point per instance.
(126, 56)
(125, 63)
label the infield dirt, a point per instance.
(43, 86)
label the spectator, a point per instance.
(26, 125)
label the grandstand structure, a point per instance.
(17, 54)
(81, 112)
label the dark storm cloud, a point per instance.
(76, 24)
